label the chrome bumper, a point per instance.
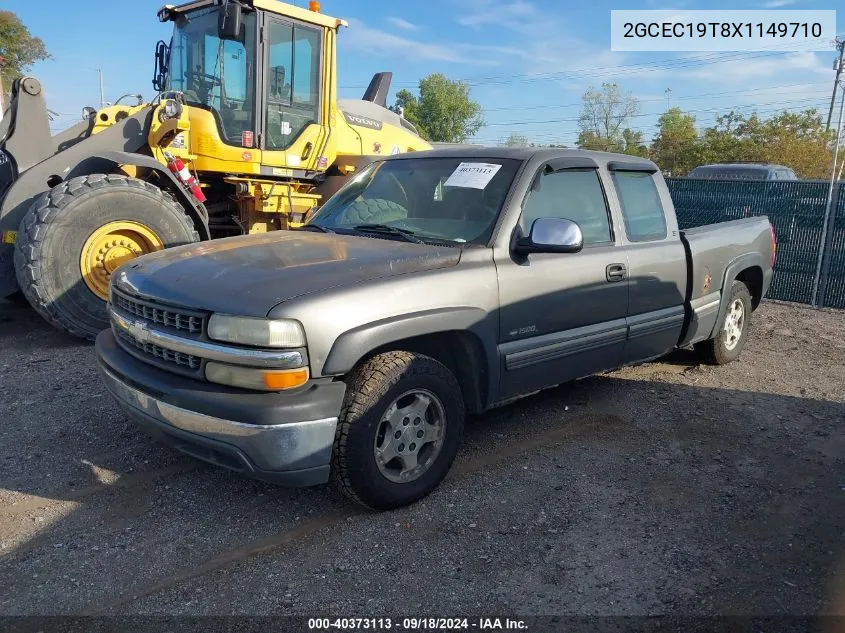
(294, 453)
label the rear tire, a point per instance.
(60, 224)
(372, 391)
(733, 333)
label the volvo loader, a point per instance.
(245, 135)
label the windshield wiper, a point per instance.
(313, 227)
(385, 229)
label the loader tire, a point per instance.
(58, 233)
(374, 211)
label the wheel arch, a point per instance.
(109, 161)
(454, 337)
(748, 269)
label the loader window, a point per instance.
(293, 82)
(214, 74)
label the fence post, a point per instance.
(830, 192)
(827, 246)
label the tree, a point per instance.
(604, 116)
(517, 140)
(443, 112)
(676, 148)
(632, 143)
(19, 49)
(795, 139)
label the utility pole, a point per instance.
(840, 44)
(2, 92)
(102, 92)
(829, 205)
(668, 99)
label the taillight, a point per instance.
(774, 245)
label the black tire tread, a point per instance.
(365, 386)
(712, 351)
(44, 210)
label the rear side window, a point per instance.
(572, 194)
(642, 210)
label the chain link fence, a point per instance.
(796, 209)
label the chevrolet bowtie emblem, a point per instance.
(139, 331)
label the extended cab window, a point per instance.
(642, 210)
(573, 194)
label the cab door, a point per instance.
(562, 315)
(293, 96)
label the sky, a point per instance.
(528, 62)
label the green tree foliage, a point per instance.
(795, 139)
(517, 140)
(632, 143)
(603, 121)
(676, 147)
(443, 111)
(19, 49)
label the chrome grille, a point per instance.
(167, 316)
(167, 356)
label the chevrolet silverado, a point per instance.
(431, 286)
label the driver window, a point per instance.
(573, 194)
(293, 79)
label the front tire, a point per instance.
(729, 342)
(76, 234)
(399, 430)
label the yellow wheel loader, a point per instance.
(245, 135)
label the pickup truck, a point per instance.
(432, 285)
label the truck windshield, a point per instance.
(443, 199)
(214, 74)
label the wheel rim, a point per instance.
(734, 322)
(110, 246)
(410, 435)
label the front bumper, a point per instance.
(278, 437)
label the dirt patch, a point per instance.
(664, 488)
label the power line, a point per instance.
(660, 99)
(611, 70)
(553, 136)
(647, 114)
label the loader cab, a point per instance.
(262, 69)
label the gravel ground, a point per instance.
(668, 488)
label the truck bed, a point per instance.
(713, 252)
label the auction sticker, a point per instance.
(472, 175)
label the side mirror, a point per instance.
(229, 21)
(552, 235)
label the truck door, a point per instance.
(562, 315)
(294, 95)
(657, 263)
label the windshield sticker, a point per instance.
(472, 175)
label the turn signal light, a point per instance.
(287, 379)
(256, 378)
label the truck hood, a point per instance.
(249, 275)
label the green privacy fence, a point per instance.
(796, 209)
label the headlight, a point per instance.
(259, 379)
(256, 332)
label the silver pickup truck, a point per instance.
(431, 286)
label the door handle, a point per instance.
(306, 153)
(616, 272)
